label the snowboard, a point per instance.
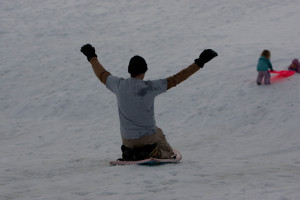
(150, 161)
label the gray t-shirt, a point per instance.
(136, 104)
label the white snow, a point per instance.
(59, 125)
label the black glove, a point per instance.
(205, 56)
(89, 51)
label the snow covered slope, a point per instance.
(59, 125)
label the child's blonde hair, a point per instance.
(266, 54)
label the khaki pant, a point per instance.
(163, 149)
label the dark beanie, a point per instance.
(137, 65)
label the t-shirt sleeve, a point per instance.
(112, 83)
(158, 86)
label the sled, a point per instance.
(284, 73)
(150, 161)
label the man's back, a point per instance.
(136, 104)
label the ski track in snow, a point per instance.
(59, 125)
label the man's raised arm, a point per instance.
(89, 51)
(184, 74)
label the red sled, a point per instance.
(150, 161)
(284, 73)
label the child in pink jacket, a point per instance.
(295, 66)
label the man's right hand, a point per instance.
(89, 51)
(205, 57)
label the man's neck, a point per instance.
(140, 76)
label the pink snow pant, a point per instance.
(263, 75)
